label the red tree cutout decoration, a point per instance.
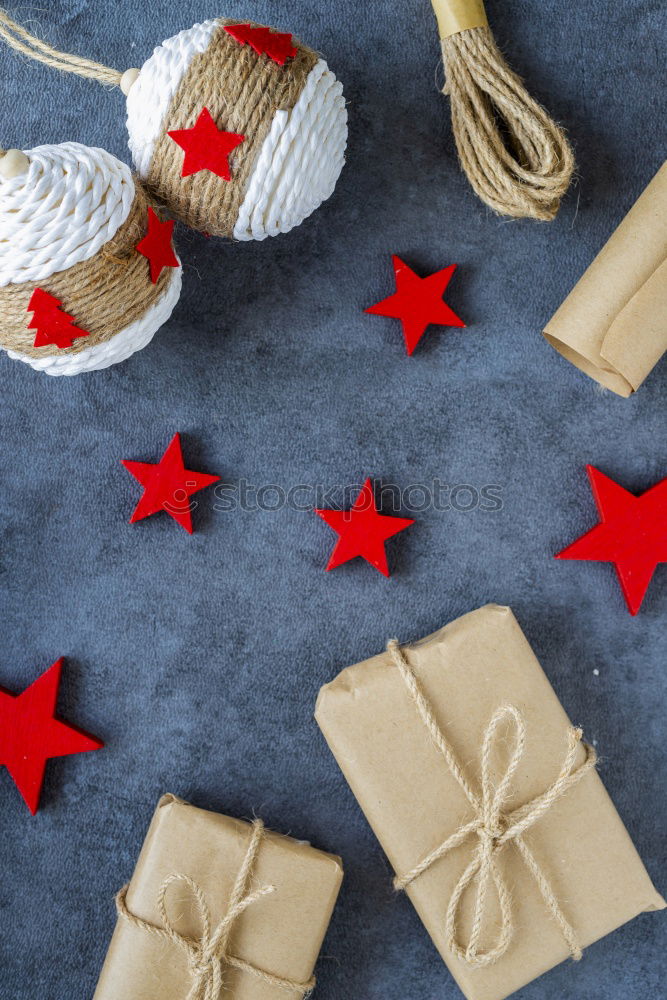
(277, 45)
(53, 325)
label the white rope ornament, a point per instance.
(72, 200)
(62, 211)
(300, 140)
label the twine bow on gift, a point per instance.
(494, 827)
(209, 954)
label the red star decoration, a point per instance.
(156, 245)
(30, 734)
(632, 534)
(53, 324)
(168, 485)
(277, 45)
(417, 302)
(363, 531)
(206, 146)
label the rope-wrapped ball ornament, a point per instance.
(87, 269)
(238, 129)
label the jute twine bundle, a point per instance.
(104, 294)
(208, 955)
(494, 827)
(516, 157)
(254, 89)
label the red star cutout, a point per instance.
(168, 485)
(30, 734)
(206, 146)
(156, 245)
(417, 302)
(363, 531)
(632, 534)
(277, 45)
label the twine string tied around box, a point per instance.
(209, 954)
(494, 827)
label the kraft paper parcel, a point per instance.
(468, 670)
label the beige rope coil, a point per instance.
(518, 160)
(22, 41)
(494, 827)
(208, 955)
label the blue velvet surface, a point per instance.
(198, 659)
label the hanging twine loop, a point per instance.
(516, 157)
(208, 955)
(494, 828)
(22, 41)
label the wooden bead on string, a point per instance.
(79, 290)
(516, 157)
(239, 130)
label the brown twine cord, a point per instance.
(104, 294)
(243, 91)
(493, 827)
(22, 41)
(207, 955)
(528, 180)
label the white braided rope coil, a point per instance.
(300, 160)
(70, 202)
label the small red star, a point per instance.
(30, 734)
(157, 246)
(417, 302)
(206, 146)
(363, 531)
(277, 45)
(168, 485)
(632, 534)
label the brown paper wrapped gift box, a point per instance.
(280, 933)
(613, 324)
(467, 671)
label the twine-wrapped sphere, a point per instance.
(71, 217)
(289, 110)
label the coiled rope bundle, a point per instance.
(517, 159)
(274, 98)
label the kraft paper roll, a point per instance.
(459, 15)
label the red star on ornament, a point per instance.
(363, 531)
(206, 146)
(632, 534)
(30, 734)
(277, 45)
(168, 485)
(156, 245)
(417, 302)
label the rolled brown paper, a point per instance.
(467, 671)
(613, 324)
(281, 933)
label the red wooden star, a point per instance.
(363, 531)
(53, 324)
(632, 534)
(30, 734)
(168, 485)
(417, 302)
(206, 146)
(277, 45)
(157, 246)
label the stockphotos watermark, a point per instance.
(415, 498)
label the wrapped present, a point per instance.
(613, 324)
(485, 800)
(219, 907)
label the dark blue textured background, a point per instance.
(198, 659)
